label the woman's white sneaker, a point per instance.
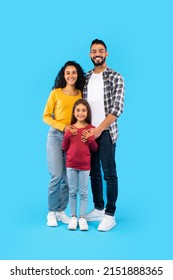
(51, 219)
(83, 224)
(72, 223)
(61, 216)
(107, 223)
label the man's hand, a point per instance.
(86, 134)
(97, 132)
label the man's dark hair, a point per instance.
(97, 41)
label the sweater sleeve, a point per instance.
(92, 144)
(66, 140)
(49, 111)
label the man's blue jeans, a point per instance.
(105, 158)
(58, 192)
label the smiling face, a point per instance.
(98, 54)
(70, 75)
(80, 112)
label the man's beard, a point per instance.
(99, 63)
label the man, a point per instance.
(104, 90)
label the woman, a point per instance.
(66, 91)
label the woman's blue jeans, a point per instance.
(78, 183)
(58, 192)
(105, 158)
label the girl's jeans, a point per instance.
(58, 192)
(78, 182)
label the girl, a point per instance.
(67, 89)
(78, 160)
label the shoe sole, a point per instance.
(72, 228)
(107, 229)
(83, 229)
(50, 225)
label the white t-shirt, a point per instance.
(96, 98)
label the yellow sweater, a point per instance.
(58, 109)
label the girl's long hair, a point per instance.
(86, 104)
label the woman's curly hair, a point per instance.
(60, 82)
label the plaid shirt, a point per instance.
(113, 97)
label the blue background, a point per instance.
(37, 38)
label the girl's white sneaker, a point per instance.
(72, 223)
(83, 224)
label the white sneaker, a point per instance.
(51, 219)
(61, 216)
(95, 215)
(72, 223)
(83, 224)
(107, 223)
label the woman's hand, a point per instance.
(71, 128)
